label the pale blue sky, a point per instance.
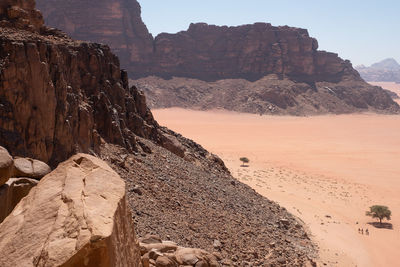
(363, 31)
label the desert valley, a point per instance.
(213, 146)
(326, 170)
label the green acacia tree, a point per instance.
(380, 212)
(244, 160)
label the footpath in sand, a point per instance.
(327, 170)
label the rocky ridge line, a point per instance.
(210, 53)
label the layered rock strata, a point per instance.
(116, 23)
(204, 51)
(214, 53)
(58, 96)
(76, 216)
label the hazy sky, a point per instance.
(363, 31)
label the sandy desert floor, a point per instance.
(326, 170)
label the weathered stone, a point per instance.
(6, 165)
(161, 247)
(164, 261)
(206, 52)
(150, 239)
(145, 260)
(12, 192)
(59, 97)
(217, 244)
(22, 14)
(32, 168)
(76, 216)
(172, 144)
(118, 23)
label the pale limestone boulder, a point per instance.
(6, 165)
(12, 192)
(76, 216)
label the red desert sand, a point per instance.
(326, 170)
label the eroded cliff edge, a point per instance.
(59, 97)
(306, 81)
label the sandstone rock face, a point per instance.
(76, 216)
(58, 97)
(6, 165)
(204, 51)
(209, 52)
(12, 192)
(32, 168)
(116, 23)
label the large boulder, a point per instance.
(6, 165)
(76, 216)
(32, 168)
(12, 192)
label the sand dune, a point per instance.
(327, 170)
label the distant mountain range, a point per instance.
(387, 70)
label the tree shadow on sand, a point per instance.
(381, 225)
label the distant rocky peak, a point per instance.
(387, 64)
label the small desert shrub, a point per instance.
(244, 160)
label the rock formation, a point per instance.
(116, 23)
(6, 165)
(211, 53)
(269, 95)
(76, 216)
(12, 192)
(15, 188)
(32, 168)
(158, 253)
(205, 52)
(58, 97)
(21, 14)
(387, 70)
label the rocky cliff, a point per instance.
(59, 96)
(210, 53)
(204, 51)
(116, 23)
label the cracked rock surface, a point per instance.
(76, 216)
